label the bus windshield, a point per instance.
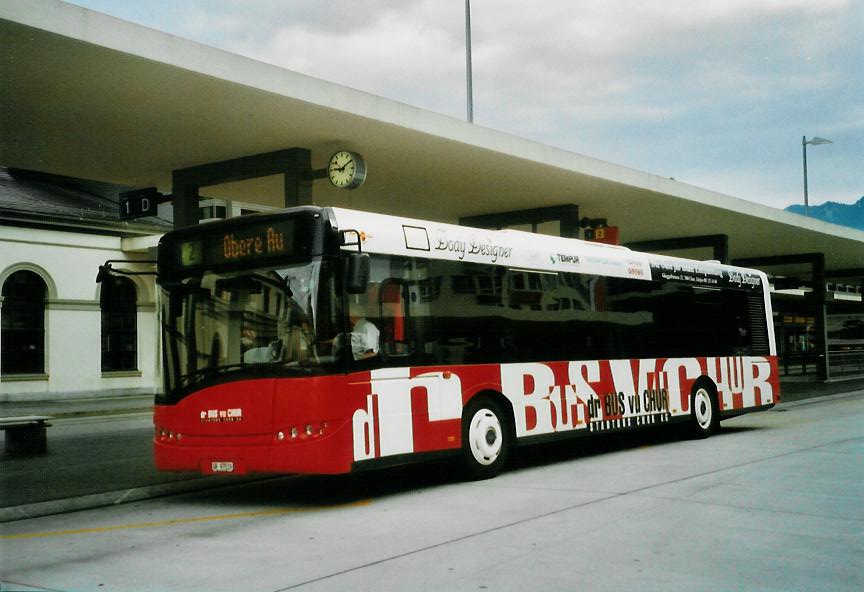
(270, 321)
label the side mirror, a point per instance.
(358, 273)
(104, 273)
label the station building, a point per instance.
(91, 106)
(64, 335)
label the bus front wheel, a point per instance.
(485, 439)
(704, 411)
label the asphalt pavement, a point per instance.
(99, 454)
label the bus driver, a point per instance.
(365, 335)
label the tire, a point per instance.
(704, 411)
(485, 439)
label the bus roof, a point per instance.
(409, 237)
(511, 248)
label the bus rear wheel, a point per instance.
(704, 411)
(485, 439)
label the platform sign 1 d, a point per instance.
(140, 203)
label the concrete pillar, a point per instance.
(185, 200)
(293, 163)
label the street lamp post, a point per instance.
(468, 73)
(817, 141)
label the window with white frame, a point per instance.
(23, 324)
(118, 301)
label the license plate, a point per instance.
(222, 467)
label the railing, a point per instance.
(798, 363)
(846, 363)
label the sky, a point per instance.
(714, 93)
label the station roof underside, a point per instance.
(86, 95)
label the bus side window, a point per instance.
(392, 313)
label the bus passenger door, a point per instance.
(436, 402)
(407, 412)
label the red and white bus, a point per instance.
(325, 340)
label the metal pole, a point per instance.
(468, 73)
(806, 198)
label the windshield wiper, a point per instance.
(203, 373)
(193, 377)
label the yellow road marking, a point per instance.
(176, 521)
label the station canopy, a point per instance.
(89, 96)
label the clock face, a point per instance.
(346, 170)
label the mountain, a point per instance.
(851, 215)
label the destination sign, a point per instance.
(237, 246)
(266, 241)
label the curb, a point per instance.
(781, 406)
(124, 496)
(110, 413)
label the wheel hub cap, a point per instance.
(485, 437)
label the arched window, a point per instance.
(119, 325)
(23, 324)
